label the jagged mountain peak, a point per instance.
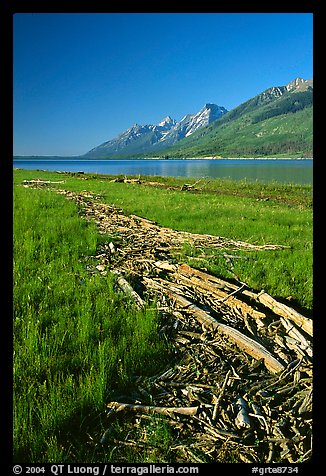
(299, 85)
(145, 138)
(209, 113)
(135, 126)
(167, 121)
(212, 106)
(294, 84)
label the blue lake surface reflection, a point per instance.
(262, 170)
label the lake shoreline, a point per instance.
(50, 157)
(284, 170)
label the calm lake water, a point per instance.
(262, 170)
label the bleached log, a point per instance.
(129, 291)
(41, 182)
(285, 311)
(118, 407)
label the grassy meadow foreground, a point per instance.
(78, 342)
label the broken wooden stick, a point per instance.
(218, 399)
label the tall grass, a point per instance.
(78, 343)
(75, 339)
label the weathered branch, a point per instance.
(218, 399)
(285, 311)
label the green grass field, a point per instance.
(78, 342)
(75, 338)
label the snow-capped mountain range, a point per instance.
(145, 138)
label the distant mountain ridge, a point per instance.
(145, 138)
(277, 121)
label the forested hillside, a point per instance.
(266, 125)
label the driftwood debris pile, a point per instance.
(241, 389)
(184, 187)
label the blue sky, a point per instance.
(82, 78)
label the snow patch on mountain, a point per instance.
(144, 138)
(167, 122)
